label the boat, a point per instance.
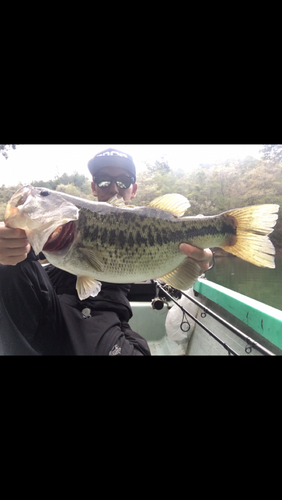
(213, 321)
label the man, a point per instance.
(40, 312)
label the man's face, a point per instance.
(105, 193)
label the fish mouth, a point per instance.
(61, 238)
(14, 215)
(10, 211)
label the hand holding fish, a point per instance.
(14, 245)
(202, 257)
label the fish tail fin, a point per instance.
(253, 225)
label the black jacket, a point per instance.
(112, 297)
(40, 313)
(106, 331)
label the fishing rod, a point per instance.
(226, 346)
(235, 330)
(251, 343)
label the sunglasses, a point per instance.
(122, 181)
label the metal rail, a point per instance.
(251, 342)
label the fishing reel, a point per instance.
(159, 302)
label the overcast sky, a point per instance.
(43, 162)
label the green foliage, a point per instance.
(272, 153)
(2, 210)
(161, 167)
(81, 182)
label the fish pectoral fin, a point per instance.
(86, 286)
(174, 203)
(92, 258)
(184, 276)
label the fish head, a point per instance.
(41, 213)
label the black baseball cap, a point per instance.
(112, 158)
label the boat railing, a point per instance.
(264, 320)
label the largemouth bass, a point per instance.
(120, 244)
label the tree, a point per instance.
(2, 210)
(159, 166)
(272, 152)
(4, 148)
(68, 189)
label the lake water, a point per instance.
(256, 282)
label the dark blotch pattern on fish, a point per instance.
(130, 240)
(112, 237)
(140, 240)
(159, 239)
(151, 238)
(122, 238)
(129, 230)
(104, 236)
(223, 228)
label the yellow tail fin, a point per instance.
(254, 224)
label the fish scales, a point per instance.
(128, 229)
(143, 239)
(120, 244)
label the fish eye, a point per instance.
(44, 192)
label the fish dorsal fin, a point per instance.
(184, 276)
(174, 203)
(86, 286)
(116, 201)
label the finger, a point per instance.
(12, 238)
(204, 266)
(202, 257)
(196, 253)
(14, 251)
(8, 233)
(6, 243)
(14, 256)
